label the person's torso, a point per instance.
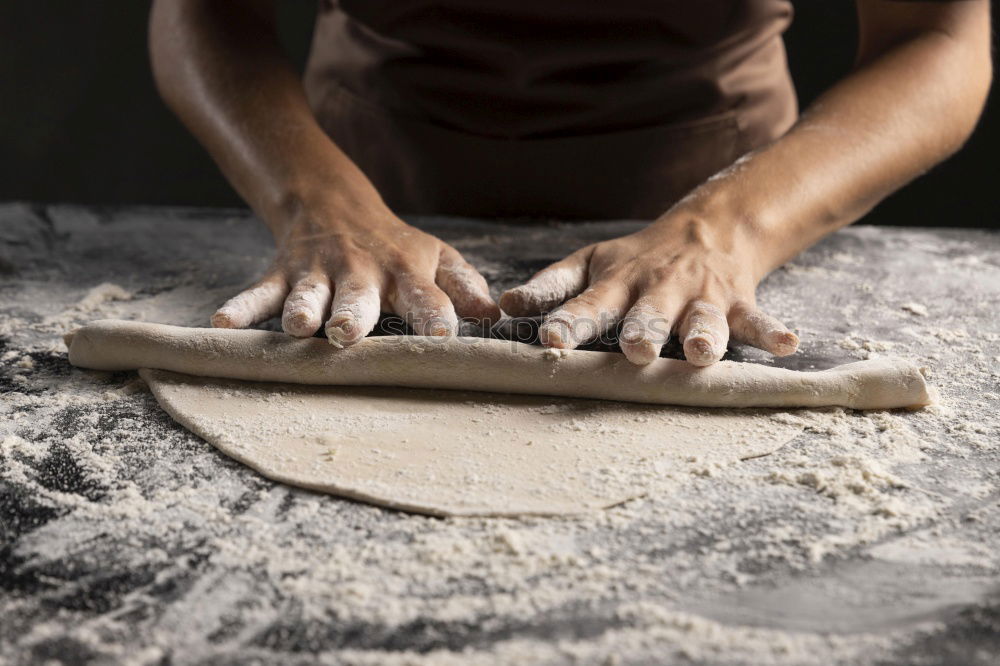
(504, 76)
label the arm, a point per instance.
(219, 66)
(922, 75)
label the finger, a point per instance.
(424, 306)
(549, 287)
(645, 329)
(306, 305)
(585, 317)
(356, 307)
(466, 288)
(755, 327)
(705, 332)
(254, 305)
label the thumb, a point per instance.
(550, 287)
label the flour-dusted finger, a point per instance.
(466, 288)
(645, 329)
(306, 305)
(585, 317)
(755, 327)
(549, 287)
(256, 304)
(423, 305)
(705, 333)
(356, 308)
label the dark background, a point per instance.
(80, 120)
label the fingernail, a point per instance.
(786, 343)
(439, 330)
(298, 323)
(554, 334)
(296, 318)
(699, 351)
(222, 320)
(642, 352)
(702, 346)
(340, 332)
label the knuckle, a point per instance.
(579, 307)
(585, 253)
(274, 277)
(351, 264)
(560, 317)
(701, 306)
(742, 308)
(358, 280)
(420, 293)
(310, 283)
(450, 254)
(399, 262)
(302, 277)
(646, 305)
(657, 275)
(460, 275)
(590, 299)
(275, 273)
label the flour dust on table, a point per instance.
(871, 538)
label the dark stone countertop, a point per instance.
(871, 538)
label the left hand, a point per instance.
(683, 275)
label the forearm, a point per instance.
(219, 66)
(893, 118)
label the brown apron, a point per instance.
(578, 109)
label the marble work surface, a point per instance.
(872, 538)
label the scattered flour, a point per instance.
(864, 348)
(915, 309)
(137, 543)
(99, 295)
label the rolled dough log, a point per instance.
(488, 365)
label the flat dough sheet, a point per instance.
(454, 453)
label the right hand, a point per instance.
(344, 264)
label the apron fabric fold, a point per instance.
(507, 109)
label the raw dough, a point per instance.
(488, 365)
(462, 453)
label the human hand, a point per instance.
(345, 263)
(681, 275)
